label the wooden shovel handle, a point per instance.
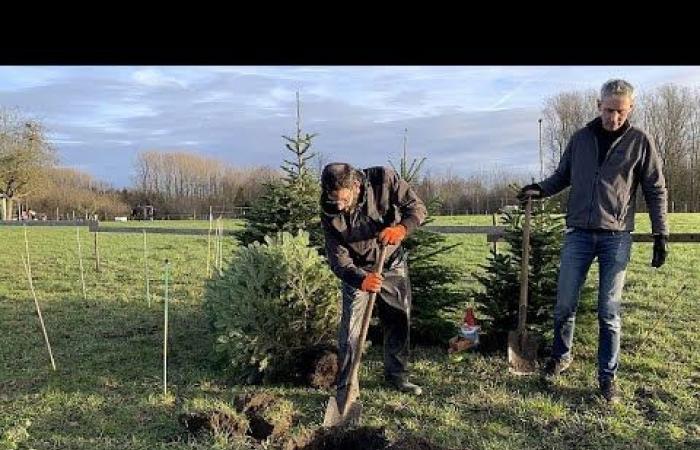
(524, 267)
(365, 326)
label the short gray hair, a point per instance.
(618, 87)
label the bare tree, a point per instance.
(563, 114)
(481, 193)
(179, 183)
(666, 114)
(24, 151)
(694, 151)
(321, 161)
(71, 190)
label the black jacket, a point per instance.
(351, 237)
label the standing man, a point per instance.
(604, 163)
(360, 210)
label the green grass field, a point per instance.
(229, 224)
(107, 390)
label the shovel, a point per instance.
(350, 410)
(523, 345)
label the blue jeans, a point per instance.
(581, 247)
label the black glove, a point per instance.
(660, 250)
(535, 191)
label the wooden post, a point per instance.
(165, 331)
(80, 258)
(97, 252)
(211, 219)
(145, 269)
(495, 244)
(221, 244)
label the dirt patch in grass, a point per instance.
(267, 415)
(215, 422)
(365, 438)
(140, 330)
(410, 442)
(315, 366)
(646, 396)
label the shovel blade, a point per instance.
(522, 352)
(335, 418)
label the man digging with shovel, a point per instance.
(604, 163)
(366, 214)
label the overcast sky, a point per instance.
(464, 119)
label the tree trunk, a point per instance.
(7, 204)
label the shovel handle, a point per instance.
(524, 267)
(367, 316)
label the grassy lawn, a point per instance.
(229, 224)
(107, 391)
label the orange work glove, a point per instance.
(392, 235)
(372, 282)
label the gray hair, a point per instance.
(617, 87)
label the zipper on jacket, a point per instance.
(618, 215)
(599, 169)
(612, 146)
(594, 186)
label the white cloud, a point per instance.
(462, 117)
(65, 142)
(155, 78)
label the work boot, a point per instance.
(400, 383)
(608, 390)
(554, 367)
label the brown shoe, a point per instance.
(403, 385)
(609, 391)
(554, 367)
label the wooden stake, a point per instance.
(221, 244)
(28, 270)
(145, 269)
(495, 244)
(80, 258)
(165, 331)
(97, 252)
(209, 244)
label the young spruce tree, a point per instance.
(289, 204)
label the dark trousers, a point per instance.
(393, 305)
